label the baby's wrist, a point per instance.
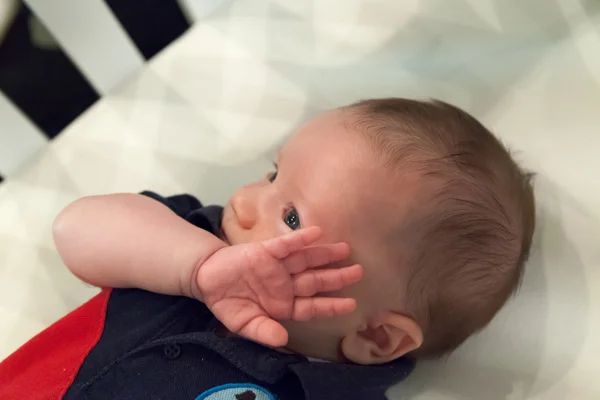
(195, 287)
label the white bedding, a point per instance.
(205, 115)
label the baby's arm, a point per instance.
(130, 240)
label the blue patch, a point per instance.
(237, 391)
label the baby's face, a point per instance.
(328, 177)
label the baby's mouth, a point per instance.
(224, 237)
(222, 234)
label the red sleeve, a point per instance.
(45, 367)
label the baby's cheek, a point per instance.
(337, 326)
(363, 290)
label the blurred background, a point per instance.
(40, 79)
(37, 75)
(194, 96)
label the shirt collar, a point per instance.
(319, 380)
(351, 381)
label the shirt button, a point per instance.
(172, 351)
(270, 359)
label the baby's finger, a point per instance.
(316, 256)
(282, 246)
(312, 282)
(307, 308)
(263, 329)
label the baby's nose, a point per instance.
(244, 206)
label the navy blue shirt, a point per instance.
(164, 347)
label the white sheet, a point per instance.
(205, 114)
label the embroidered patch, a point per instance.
(237, 391)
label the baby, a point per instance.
(391, 229)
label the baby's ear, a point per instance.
(383, 338)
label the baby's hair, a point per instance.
(470, 238)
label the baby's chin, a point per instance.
(223, 236)
(231, 233)
(229, 238)
(233, 236)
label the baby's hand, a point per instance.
(248, 286)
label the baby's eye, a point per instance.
(292, 219)
(273, 175)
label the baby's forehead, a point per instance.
(327, 142)
(349, 185)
